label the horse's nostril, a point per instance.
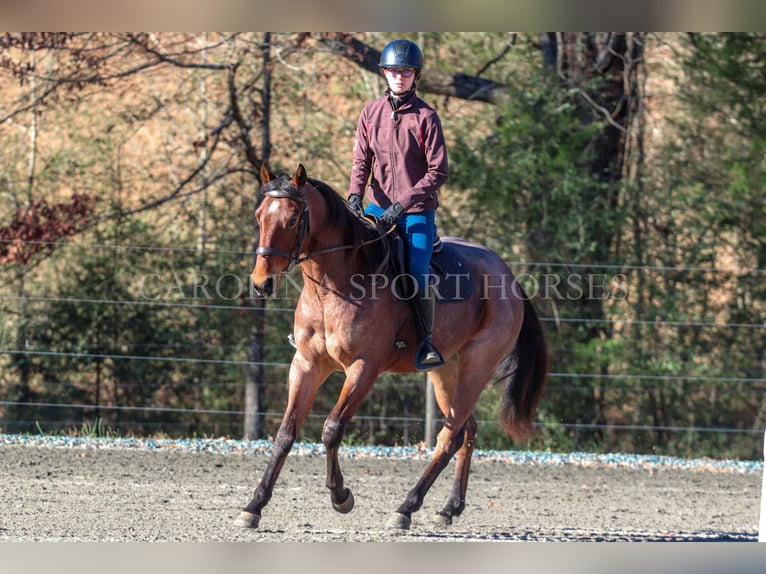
(264, 289)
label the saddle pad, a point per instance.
(454, 280)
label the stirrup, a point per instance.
(428, 357)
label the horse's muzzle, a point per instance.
(264, 288)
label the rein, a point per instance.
(283, 188)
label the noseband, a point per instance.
(283, 188)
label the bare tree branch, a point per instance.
(244, 128)
(163, 58)
(454, 85)
(500, 56)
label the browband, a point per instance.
(282, 187)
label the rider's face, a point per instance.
(399, 80)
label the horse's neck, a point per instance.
(321, 236)
(333, 267)
(324, 263)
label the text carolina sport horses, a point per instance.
(345, 321)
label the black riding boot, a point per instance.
(427, 357)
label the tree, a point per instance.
(74, 70)
(708, 213)
(558, 161)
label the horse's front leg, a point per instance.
(304, 380)
(359, 380)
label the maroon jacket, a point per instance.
(406, 152)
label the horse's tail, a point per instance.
(525, 371)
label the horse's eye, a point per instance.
(293, 221)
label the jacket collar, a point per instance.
(401, 102)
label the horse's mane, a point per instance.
(355, 231)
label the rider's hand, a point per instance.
(355, 203)
(392, 215)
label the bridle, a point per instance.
(283, 188)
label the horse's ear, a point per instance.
(266, 175)
(299, 179)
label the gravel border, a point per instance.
(261, 447)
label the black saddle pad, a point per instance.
(452, 281)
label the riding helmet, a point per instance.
(401, 54)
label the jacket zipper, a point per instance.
(392, 137)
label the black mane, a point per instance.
(355, 231)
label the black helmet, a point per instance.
(401, 54)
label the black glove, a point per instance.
(392, 215)
(355, 203)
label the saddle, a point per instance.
(451, 279)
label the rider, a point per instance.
(399, 141)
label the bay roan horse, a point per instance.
(344, 323)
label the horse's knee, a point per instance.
(332, 433)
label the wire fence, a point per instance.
(559, 381)
(413, 421)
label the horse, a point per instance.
(348, 319)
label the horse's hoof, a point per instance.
(345, 506)
(247, 520)
(442, 520)
(399, 521)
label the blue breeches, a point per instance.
(418, 230)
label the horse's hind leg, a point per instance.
(456, 500)
(458, 385)
(448, 443)
(456, 400)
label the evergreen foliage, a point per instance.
(129, 176)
